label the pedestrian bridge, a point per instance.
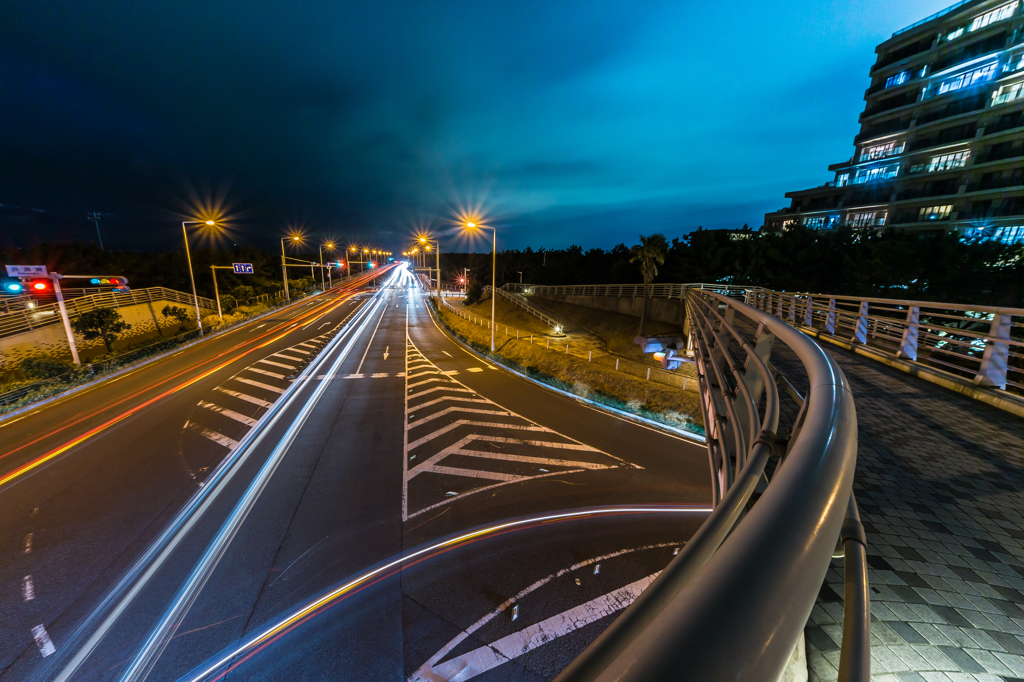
(935, 465)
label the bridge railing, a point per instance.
(733, 604)
(676, 291)
(516, 301)
(27, 319)
(982, 344)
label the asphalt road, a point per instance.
(405, 510)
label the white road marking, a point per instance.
(263, 371)
(386, 349)
(255, 328)
(475, 369)
(237, 416)
(28, 543)
(427, 673)
(379, 375)
(469, 422)
(259, 384)
(307, 344)
(446, 353)
(444, 388)
(451, 398)
(355, 376)
(243, 396)
(449, 410)
(281, 354)
(323, 325)
(473, 473)
(43, 641)
(28, 590)
(435, 377)
(369, 343)
(276, 364)
(219, 438)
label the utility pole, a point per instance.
(95, 218)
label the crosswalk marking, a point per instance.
(263, 371)
(243, 396)
(493, 446)
(219, 438)
(475, 369)
(237, 416)
(276, 364)
(259, 384)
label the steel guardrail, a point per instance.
(983, 344)
(734, 602)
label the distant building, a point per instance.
(941, 143)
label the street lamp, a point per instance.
(424, 240)
(188, 256)
(284, 267)
(494, 272)
(330, 247)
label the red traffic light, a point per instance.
(39, 285)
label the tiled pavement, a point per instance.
(940, 484)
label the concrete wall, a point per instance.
(660, 309)
(145, 319)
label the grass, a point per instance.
(507, 314)
(617, 330)
(664, 404)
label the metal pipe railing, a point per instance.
(732, 604)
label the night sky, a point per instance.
(565, 122)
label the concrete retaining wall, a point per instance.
(145, 319)
(660, 309)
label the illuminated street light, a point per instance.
(330, 247)
(188, 257)
(494, 270)
(284, 267)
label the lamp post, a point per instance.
(284, 267)
(330, 247)
(437, 245)
(188, 256)
(216, 291)
(494, 273)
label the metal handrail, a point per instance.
(20, 321)
(514, 300)
(732, 604)
(669, 291)
(983, 344)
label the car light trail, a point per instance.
(272, 633)
(290, 326)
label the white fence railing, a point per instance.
(555, 324)
(980, 343)
(629, 290)
(19, 321)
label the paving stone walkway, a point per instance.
(940, 484)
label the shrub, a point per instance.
(474, 290)
(45, 367)
(101, 323)
(177, 313)
(228, 302)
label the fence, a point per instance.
(982, 344)
(516, 301)
(676, 291)
(733, 604)
(635, 369)
(20, 321)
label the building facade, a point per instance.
(941, 143)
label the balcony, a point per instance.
(1006, 122)
(964, 131)
(992, 43)
(905, 52)
(1001, 152)
(954, 108)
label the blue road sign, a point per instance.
(242, 268)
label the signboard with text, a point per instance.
(27, 271)
(242, 268)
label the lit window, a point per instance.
(949, 161)
(872, 219)
(878, 173)
(881, 151)
(934, 213)
(1012, 234)
(1008, 93)
(815, 223)
(842, 179)
(898, 79)
(968, 79)
(998, 14)
(955, 34)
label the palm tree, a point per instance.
(649, 254)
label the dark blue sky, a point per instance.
(568, 122)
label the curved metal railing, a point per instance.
(733, 604)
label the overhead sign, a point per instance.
(27, 271)
(242, 268)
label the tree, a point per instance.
(101, 323)
(648, 254)
(176, 313)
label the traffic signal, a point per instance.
(39, 285)
(13, 286)
(109, 281)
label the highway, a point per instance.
(348, 494)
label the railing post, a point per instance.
(997, 354)
(778, 308)
(792, 309)
(809, 312)
(860, 333)
(830, 321)
(908, 345)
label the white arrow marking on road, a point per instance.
(386, 349)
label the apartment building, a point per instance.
(941, 142)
